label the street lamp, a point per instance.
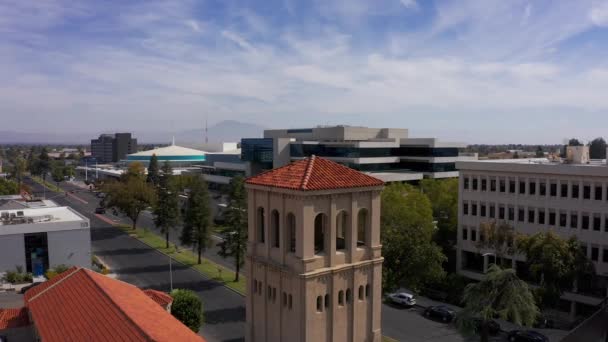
(485, 255)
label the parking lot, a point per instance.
(409, 324)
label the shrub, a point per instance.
(61, 268)
(187, 308)
(105, 271)
(50, 274)
(18, 277)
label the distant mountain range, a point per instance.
(223, 131)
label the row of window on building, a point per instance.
(321, 230)
(532, 187)
(271, 293)
(557, 218)
(323, 302)
(470, 234)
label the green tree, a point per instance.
(235, 233)
(443, 195)
(57, 173)
(555, 263)
(498, 238)
(44, 163)
(197, 220)
(8, 187)
(412, 259)
(153, 171)
(166, 211)
(19, 167)
(135, 170)
(499, 294)
(130, 196)
(187, 307)
(574, 142)
(597, 148)
(539, 152)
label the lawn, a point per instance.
(47, 184)
(207, 267)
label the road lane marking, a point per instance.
(78, 198)
(105, 219)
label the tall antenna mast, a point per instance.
(206, 130)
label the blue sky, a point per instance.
(474, 71)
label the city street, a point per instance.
(138, 264)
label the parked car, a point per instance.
(526, 336)
(402, 298)
(493, 326)
(100, 210)
(25, 288)
(543, 322)
(440, 312)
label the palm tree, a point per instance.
(500, 294)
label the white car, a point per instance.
(402, 298)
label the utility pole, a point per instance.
(170, 275)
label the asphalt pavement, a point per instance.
(140, 265)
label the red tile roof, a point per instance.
(163, 299)
(314, 173)
(13, 318)
(82, 305)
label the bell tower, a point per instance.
(313, 264)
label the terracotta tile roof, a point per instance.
(13, 318)
(314, 173)
(82, 305)
(162, 298)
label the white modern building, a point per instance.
(385, 153)
(568, 197)
(36, 239)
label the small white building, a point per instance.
(37, 239)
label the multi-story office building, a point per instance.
(386, 153)
(112, 148)
(568, 197)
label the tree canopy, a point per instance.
(197, 219)
(574, 142)
(130, 196)
(235, 232)
(8, 187)
(443, 196)
(498, 238)
(554, 262)
(499, 294)
(153, 171)
(412, 259)
(187, 307)
(597, 148)
(166, 211)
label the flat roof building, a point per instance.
(37, 239)
(386, 153)
(537, 195)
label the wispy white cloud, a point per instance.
(151, 64)
(599, 13)
(410, 4)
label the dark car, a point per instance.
(526, 336)
(100, 210)
(440, 312)
(25, 288)
(493, 326)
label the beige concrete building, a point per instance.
(314, 264)
(535, 195)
